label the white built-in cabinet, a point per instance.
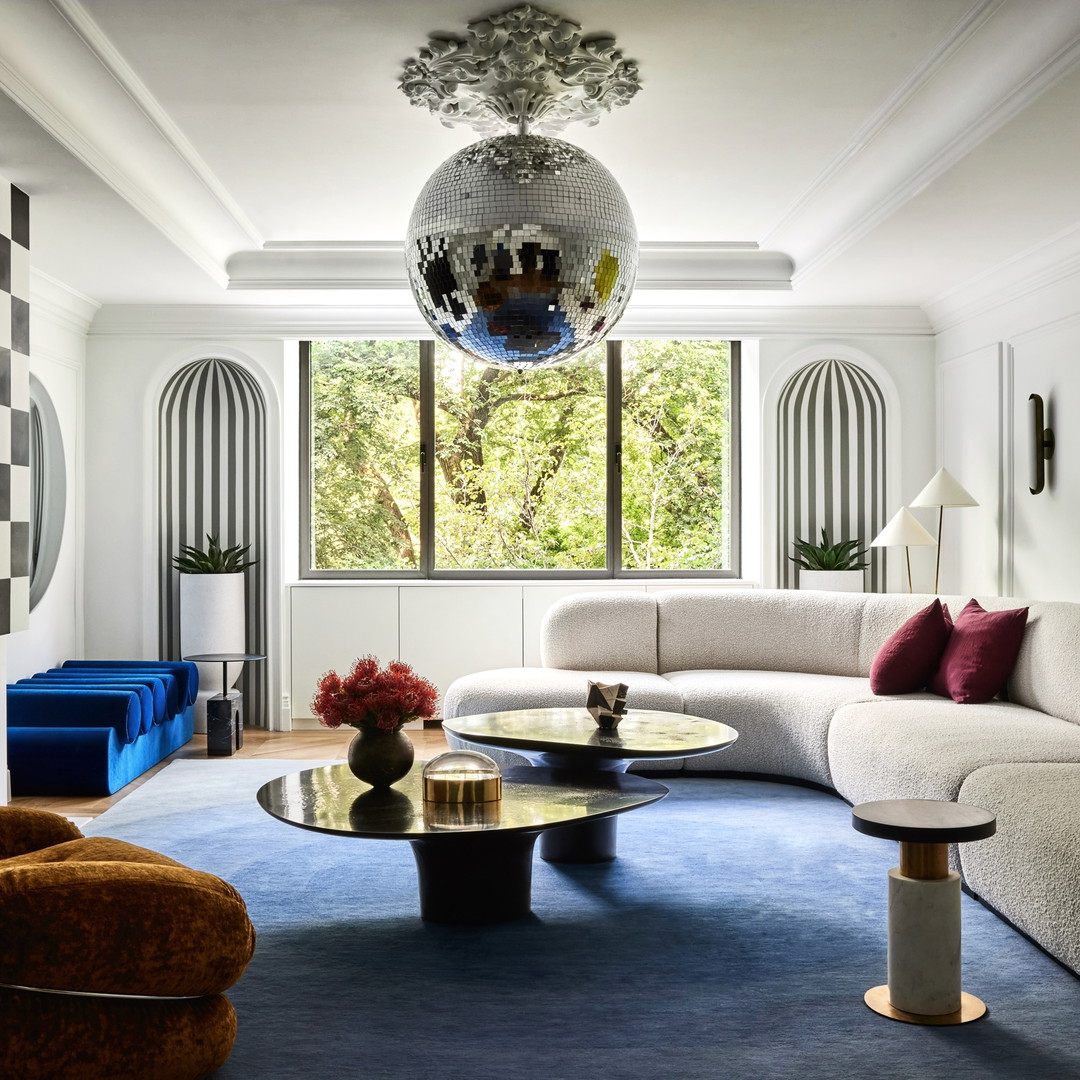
(443, 629)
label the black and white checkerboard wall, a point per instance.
(14, 408)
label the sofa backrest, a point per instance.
(793, 630)
(759, 629)
(1045, 676)
(602, 631)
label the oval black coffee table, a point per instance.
(569, 739)
(474, 868)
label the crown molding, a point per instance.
(996, 62)
(77, 88)
(1039, 267)
(111, 59)
(249, 321)
(879, 120)
(307, 265)
(60, 304)
(703, 320)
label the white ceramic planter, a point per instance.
(831, 580)
(212, 621)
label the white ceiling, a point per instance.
(260, 151)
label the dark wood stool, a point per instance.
(924, 908)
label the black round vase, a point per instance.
(380, 758)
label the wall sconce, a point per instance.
(1042, 449)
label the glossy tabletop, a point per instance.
(641, 733)
(224, 657)
(923, 821)
(330, 799)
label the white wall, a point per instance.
(444, 629)
(58, 324)
(126, 376)
(904, 368)
(58, 359)
(990, 361)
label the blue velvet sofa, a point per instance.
(92, 726)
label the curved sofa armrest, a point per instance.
(23, 830)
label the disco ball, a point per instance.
(522, 251)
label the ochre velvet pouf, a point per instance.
(94, 916)
(65, 1037)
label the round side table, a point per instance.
(924, 907)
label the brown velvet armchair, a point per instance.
(113, 958)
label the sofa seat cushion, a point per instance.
(921, 747)
(782, 718)
(1027, 869)
(506, 689)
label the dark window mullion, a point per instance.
(614, 458)
(305, 551)
(735, 456)
(427, 445)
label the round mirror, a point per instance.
(48, 490)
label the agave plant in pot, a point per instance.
(377, 702)
(212, 611)
(828, 566)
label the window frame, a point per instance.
(613, 472)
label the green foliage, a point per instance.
(826, 556)
(214, 560)
(676, 453)
(519, 458)
(365, 451)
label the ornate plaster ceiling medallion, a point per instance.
(521, 249)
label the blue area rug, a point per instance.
(734, 937)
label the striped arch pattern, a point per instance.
(212, 479)
(831, 441)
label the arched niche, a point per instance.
(832, 462)
(212, 480)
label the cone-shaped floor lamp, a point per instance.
(903, 531)
(943, 490)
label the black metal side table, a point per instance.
(924, 907)
(224, 722)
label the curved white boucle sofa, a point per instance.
(790, 672)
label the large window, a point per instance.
(419, 461)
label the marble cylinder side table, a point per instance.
(924, 907)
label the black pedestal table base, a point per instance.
(475, 878)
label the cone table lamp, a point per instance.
(904, 530)
(943, 490)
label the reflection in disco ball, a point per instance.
(522, 251)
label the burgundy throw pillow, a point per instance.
(908, 660)
(980, 654)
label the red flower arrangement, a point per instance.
(374, 697)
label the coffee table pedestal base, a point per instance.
(475, 878)
(592, 842)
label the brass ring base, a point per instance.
(971, 1008)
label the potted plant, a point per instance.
(377, 702)
(827, 566)
(212, 611)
